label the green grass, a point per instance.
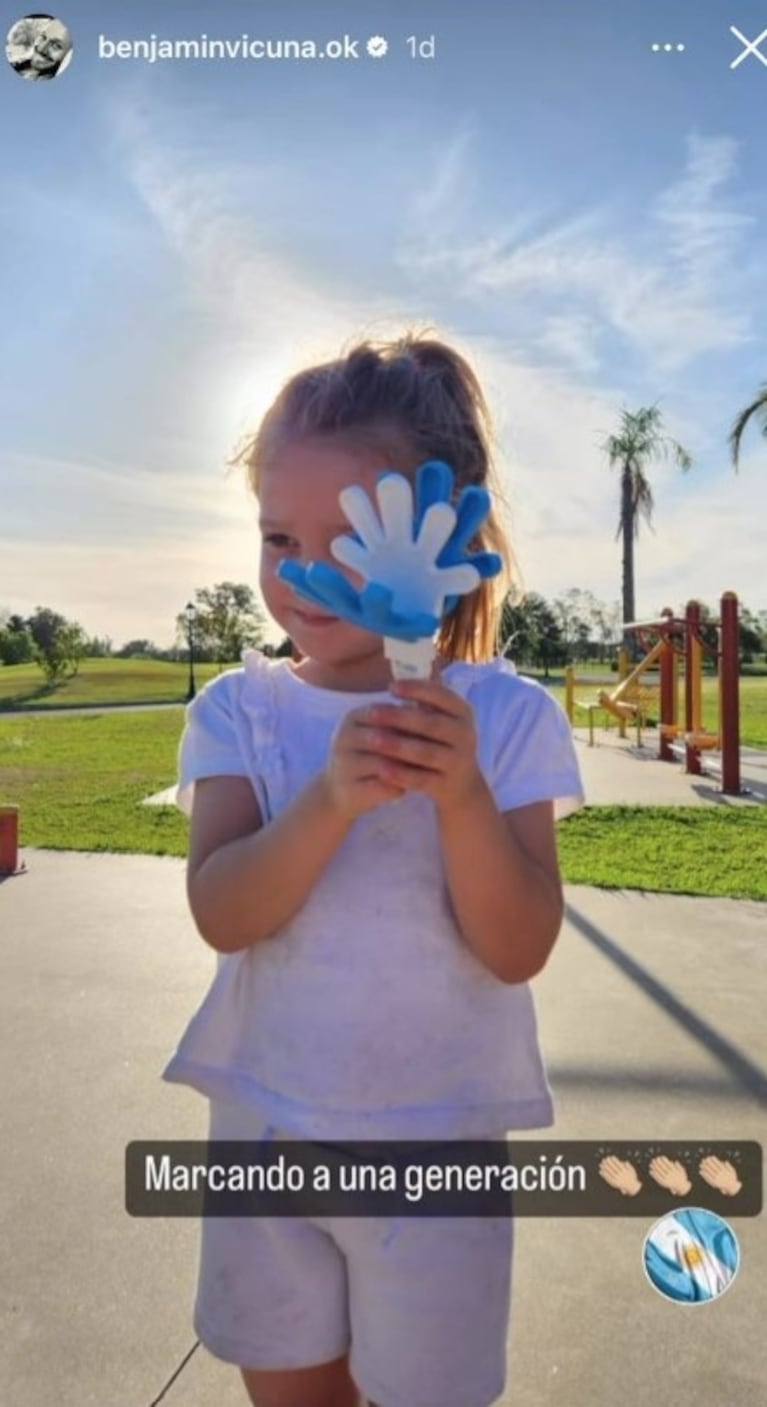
(671, 850)
(103, 681)
(79, 782)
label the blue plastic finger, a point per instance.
(332, 584)
(433, 484)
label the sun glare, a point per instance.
(244, 398)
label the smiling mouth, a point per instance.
(316, 620)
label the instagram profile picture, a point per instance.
(38, 47)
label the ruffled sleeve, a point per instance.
(532, 756)
(228, 731)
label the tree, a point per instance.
(16, 643)
(639, 440)
(100, 648)
(136, 650)
(531, 633)
(606, 621)
(576, 611)
(757, 408)
(761, 626)
(228, 619)
(59, 645)
(750, 635)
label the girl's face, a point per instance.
(300, 516)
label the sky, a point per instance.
(583, 216)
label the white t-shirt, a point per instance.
(368, 1016)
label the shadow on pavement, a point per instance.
(748, 1075)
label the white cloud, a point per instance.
(699, 231)
(449, 182)
(98, 497)
(674, 282)
(573, 341)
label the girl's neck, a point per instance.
(364, 676)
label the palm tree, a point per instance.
(759, 409)
(639, 440)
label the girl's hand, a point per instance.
(429, 745)
(353, 773)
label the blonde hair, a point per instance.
(417, 398)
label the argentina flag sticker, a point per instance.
(691, 1256)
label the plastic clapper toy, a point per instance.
(414, 562)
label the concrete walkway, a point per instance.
(616, 772)
(652, 1020)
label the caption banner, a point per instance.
(467, 1179)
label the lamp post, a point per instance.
(191, 615)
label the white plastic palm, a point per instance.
(389, 556)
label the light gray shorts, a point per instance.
(421, 1305)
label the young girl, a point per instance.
(376, 867)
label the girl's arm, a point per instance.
(246, 889)
(503, 880)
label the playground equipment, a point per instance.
(636, 697)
